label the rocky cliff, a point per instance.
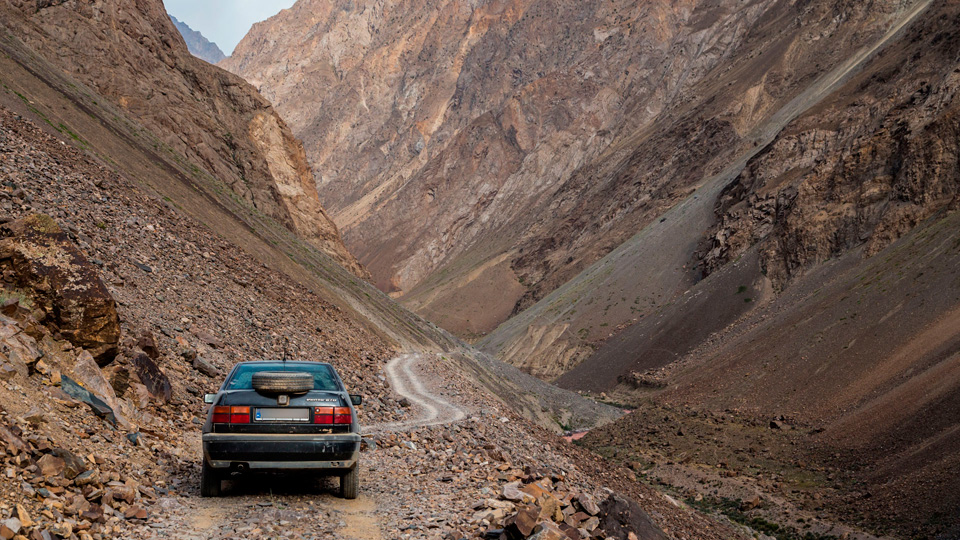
(197, 43)
(862, 169)
(134, 56)
(484, 153)
(441, 130)
(656, 267)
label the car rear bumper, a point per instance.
(285, 451)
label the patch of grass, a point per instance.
(732, 509)
(64, 129)
(741, 289)
(748, 300)
(617, 404)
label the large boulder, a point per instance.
(152, 377)
(39, 260)
(621, 516)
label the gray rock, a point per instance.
(205, 367)
(13, 524)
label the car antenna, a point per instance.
(286, 342)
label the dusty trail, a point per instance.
(406, 381)
(268, 507)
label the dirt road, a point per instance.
(406, 382)
(290, 507)
(438, 472)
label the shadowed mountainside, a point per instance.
(654, 268)
(137, 60)
(831, 300)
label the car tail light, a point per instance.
(323, 415)
(221, 415)
(341, 415)
(231, 415)
(239, 415)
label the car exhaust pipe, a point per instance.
(241, 467)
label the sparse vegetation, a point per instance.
(732, 509)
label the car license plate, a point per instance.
(282, 415)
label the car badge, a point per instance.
(283, 400)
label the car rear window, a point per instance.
(323, 375)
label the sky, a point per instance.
(224, 22)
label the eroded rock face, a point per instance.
(297, 193)
(42, 262)
(546, 351)
(880, 157)
(449, 134)
(132, 54)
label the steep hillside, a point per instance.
(108, 447)
(847, 382)
(484, 154)
(863, 167)
(197, 43)
(828, 312)
(76, 470)
(136, 59)
(653, 269)
(70, 110)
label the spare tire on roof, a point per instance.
(282, 382)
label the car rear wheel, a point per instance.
(209, 481)
(350, 483)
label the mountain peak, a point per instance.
(197, 43)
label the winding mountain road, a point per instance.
(405, 381)
(191, 517)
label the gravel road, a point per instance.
(291, 507)
(432, 409)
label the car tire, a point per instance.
(350, 483)
(210, 480)
(282, 382)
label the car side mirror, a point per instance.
(356, 399)
(208, 398)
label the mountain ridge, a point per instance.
(197, 43)
(198, 110)
(491, 172)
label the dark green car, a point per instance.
(281, 416)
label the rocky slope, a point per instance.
(484, 154)
(862, 169)
(137, 59)
(838, 395)
(197, 44)
(117, 456)
(830, 301)
(869, 163)
(74, 112)
(71, 472)
(656, 267)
